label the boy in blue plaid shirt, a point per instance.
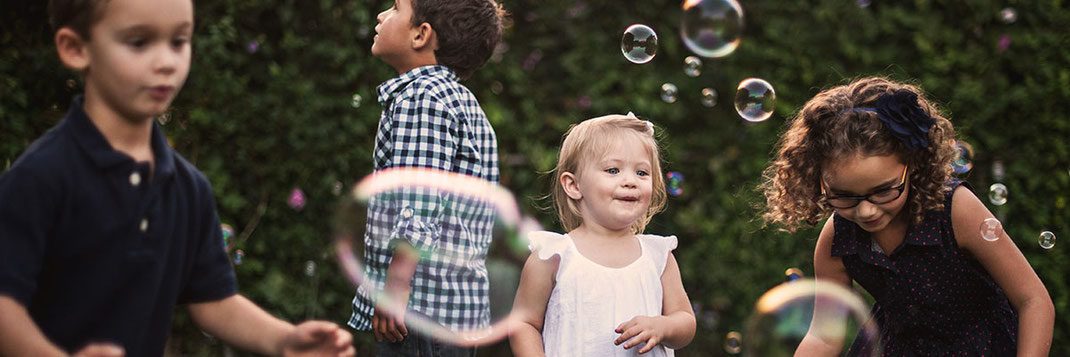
(430, 120)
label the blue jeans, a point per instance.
(416, 345)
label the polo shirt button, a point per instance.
(144, 226)
(407, 212)
(135, 179)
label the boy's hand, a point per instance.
(641, 329)
(318, 338)
(388, 322)
(101, 350)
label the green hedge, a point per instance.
(261, 123)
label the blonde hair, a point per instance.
(827, 129)
(591, 139)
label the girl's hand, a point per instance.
(639, 329)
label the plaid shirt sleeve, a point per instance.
(424, 135)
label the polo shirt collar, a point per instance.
(389, 89)
(101, 153)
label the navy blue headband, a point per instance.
(903, 115)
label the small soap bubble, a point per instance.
(297, 199)
(1008, 15)
(668, 92)
(1003, 43)
(674, 183)
(228, 234)
(336, 188)
(998, 170)
(252, 46)
(164, 117)
(997, 194)
(709, 97)
(71, 83)
(1046, 240)
(793, 274)
(733, 342)
(991, 229)
(963, 159)
(239, 257)
(692, 66)
(356, 101)
(755, 99)
(639, 44)
(711, 28)
(310, 268)
(811, 309)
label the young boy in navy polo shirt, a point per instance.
(104, 229)
(430, 120)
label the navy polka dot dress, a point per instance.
(932, 298)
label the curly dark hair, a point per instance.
(467, 30)
(826, 129)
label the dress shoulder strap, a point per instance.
(546, 244)
(658, 248)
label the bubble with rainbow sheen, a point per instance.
(310, 268)
(336, 188)
(1046, 240)
(1008, 15)
(829, 311)
(410, 197)
(733, 342)
(296, 199)
(755, 99)
(228, 234)
(793, 274)
(239, 257)
(639, 44)
(668, 93)
(709, 97)
(962, 162)
(997, 194)
(692, 66)
(991, 229)
(356, 100)
(711, 28)
(674, 183)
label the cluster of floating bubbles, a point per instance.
(1046, 240)
(639, 43)
(997, 194)
(755, 100)
(403, 203)
(963, 159)
(991, 229)
(692, 66)
(825, 310)
(674, 183)
(709, 97)
(669, 92)
(711, 28)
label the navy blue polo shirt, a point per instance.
(98, 247)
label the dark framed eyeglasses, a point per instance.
(880, 197)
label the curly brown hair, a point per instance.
(467, 30)
(826, 129)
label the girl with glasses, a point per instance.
(873, 159)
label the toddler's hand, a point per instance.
(641, 329)
(101, 350)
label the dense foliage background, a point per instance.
(268, 108)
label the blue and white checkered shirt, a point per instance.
(430, 120)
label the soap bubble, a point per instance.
(668, 92)
(639, 44)
(427, 208)
(1047, 239)
(297, 199)
(793, 274)
(1008, 15)
(733, 342)
(755, 99)
(963, 160)
(711, 28)
(674, 183)
(709, 97)
(991, 229)
(692, 66)
(997, 194)
(825, 310)
(356, 101)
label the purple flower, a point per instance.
(905, 118)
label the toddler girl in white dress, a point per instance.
(604, 289)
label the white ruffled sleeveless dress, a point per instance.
(590, 300)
